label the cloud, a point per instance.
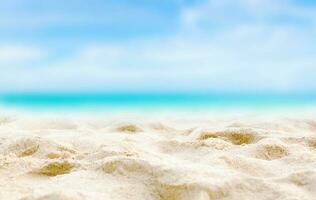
(247, 61)
(219, 45)
(236, 12)
(16, 54)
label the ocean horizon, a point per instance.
(151, 100)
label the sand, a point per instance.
(158, 158)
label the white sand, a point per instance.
(183, 158)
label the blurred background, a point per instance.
(158, 46)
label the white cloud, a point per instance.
(15, 54)
(228, 12)
(250, 52)
(245, 59)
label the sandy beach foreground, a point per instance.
(157, 158)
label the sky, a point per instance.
(158, 45)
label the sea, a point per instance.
(154, 101)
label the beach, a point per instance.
(157, 100)
(175, 157)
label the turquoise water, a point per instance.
(100, 101)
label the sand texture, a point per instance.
(184, 158)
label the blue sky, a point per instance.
(157, 45)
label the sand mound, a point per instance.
(312, 143)
(24, 147)
(38, 147)
(237, 137)
(272, 150)
(190, 191)
(54, 168)
(6, 120)
(129, 128)
(126, 165)
(54, 196)
(165, 159)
